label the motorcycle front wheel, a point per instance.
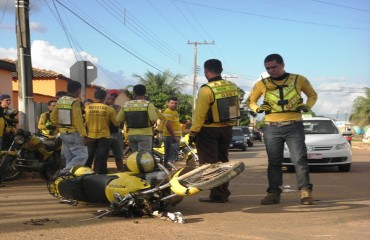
(9, 172)
(209, 176)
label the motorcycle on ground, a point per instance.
(30, 153)
(143, 190)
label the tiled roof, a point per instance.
(37, 73)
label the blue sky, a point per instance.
(325, 40)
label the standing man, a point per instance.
(67, 116)
(171, 131)
(98, 118)
(45, 125)
(139, 116)
(283, 105)
(216, 111)
(115, 132)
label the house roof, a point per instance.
(10, 65)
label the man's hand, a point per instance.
(51, 127)
(303, 107)
(192, 138)
(265, 107)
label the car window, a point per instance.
(246, 131)
(319, 127)
(237, 132)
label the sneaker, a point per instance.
(271, 198)
(306, 196)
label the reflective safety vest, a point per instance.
(226, 102)
(64, 106)
(282, 98)
(47, 123)
(136, 112)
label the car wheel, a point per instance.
(250, 144)
(344, 167)
(244, 148)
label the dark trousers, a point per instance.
(213, 146)
(98, 150)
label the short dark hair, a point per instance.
(100, 94)
(274, 57)
(139, 90)
(73, 86)
(213, 65)
(60, 94)
(51, 102)
(173, 99)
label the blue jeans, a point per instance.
(98, 153)
(171, 149)
(74, 150)
(141, 143)
(294, 136)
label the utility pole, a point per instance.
(195, 70)
(24, 67)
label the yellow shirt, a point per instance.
(173, 118)
(302, 85)
(98, 117)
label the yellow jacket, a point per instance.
(202, 105)
(302, 85)
(77, 119)
(153, 114)
(98, 118)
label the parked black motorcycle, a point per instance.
(30, 153)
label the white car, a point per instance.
(325, 145)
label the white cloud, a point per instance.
(49, 57)
(37, 27)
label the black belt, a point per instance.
(281, 124)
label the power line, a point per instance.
(271, 17)
(342, 6)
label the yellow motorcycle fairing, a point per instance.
(126, 183)
(5, 152)
(179, 189)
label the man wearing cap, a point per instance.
(6, 116)
(139, 116)
(67, 115)
(115, 132)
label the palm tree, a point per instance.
(361, 112)
(160, 86)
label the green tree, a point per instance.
(361, 109)
(161, 86)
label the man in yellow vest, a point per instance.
(283, 105)
(216, 112)
(171, 131)
(45, 125)
(139, 116)
(67, 116)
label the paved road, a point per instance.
(341, 210)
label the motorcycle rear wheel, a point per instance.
(209, 176)
(8, 172)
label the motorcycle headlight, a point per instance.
(342, 146)
(19, 139)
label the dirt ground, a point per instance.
(341, 210)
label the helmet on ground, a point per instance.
(81, 170)
(140, 162)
